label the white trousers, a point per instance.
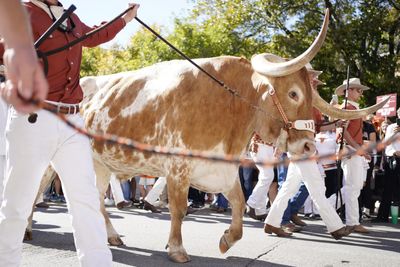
(354, 174)
(309, 207)
(31, 147)
(309, 173)
(116, 189)
(2, 175)
(156, 191)
(259, 197)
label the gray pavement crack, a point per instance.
(277, 244)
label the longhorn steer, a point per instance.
(175, 105)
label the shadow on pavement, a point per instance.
(377, 239)
(140, 257)
(143, 257)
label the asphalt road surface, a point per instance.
(146, 234)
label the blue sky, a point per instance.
(150, 11)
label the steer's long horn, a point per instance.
(337, 113)
(262, 65)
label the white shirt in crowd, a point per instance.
(326, 145)
(395, 146)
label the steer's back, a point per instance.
(169, 104)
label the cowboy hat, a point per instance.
(353, 83)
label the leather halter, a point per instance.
(302, 125)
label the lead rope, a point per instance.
(212, 77)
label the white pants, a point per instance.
(2, 175)
(30, 149)
(309, 207)
(259, 197)
(353, 174)
(309, 173)
(116, 189)
(156, 191)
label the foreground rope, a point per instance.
(184, 153)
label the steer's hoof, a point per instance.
(28, 235)
(179, 257)
(115, 241)
(223, 244)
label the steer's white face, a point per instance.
(294, 95)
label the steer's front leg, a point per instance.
(235, 231)
(178, 187)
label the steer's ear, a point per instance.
(265, 89)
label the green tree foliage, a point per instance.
(363, 34)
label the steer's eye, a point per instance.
(293, 95)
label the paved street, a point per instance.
(145, 236)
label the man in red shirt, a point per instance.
(354, 172)
(32, 146)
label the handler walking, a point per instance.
(32, 146)
(354, 171)
(309, 173)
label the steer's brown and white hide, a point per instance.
(173, 104)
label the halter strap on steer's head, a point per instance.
(301, 125)
(304, 125)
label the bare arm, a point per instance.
(354, 144)
(24, 74)
(12, 29)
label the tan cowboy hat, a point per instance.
(353, 83)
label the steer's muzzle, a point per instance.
(302, 147)
(309, 148)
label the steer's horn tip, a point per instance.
(327, 11)
(386, 99)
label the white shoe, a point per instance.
(109, 202)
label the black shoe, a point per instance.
(135, 201)
(252, 214)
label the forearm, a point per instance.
(13, 24)
(104, 35)
(350, 141)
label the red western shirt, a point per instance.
(355, 126)
(64, 67)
